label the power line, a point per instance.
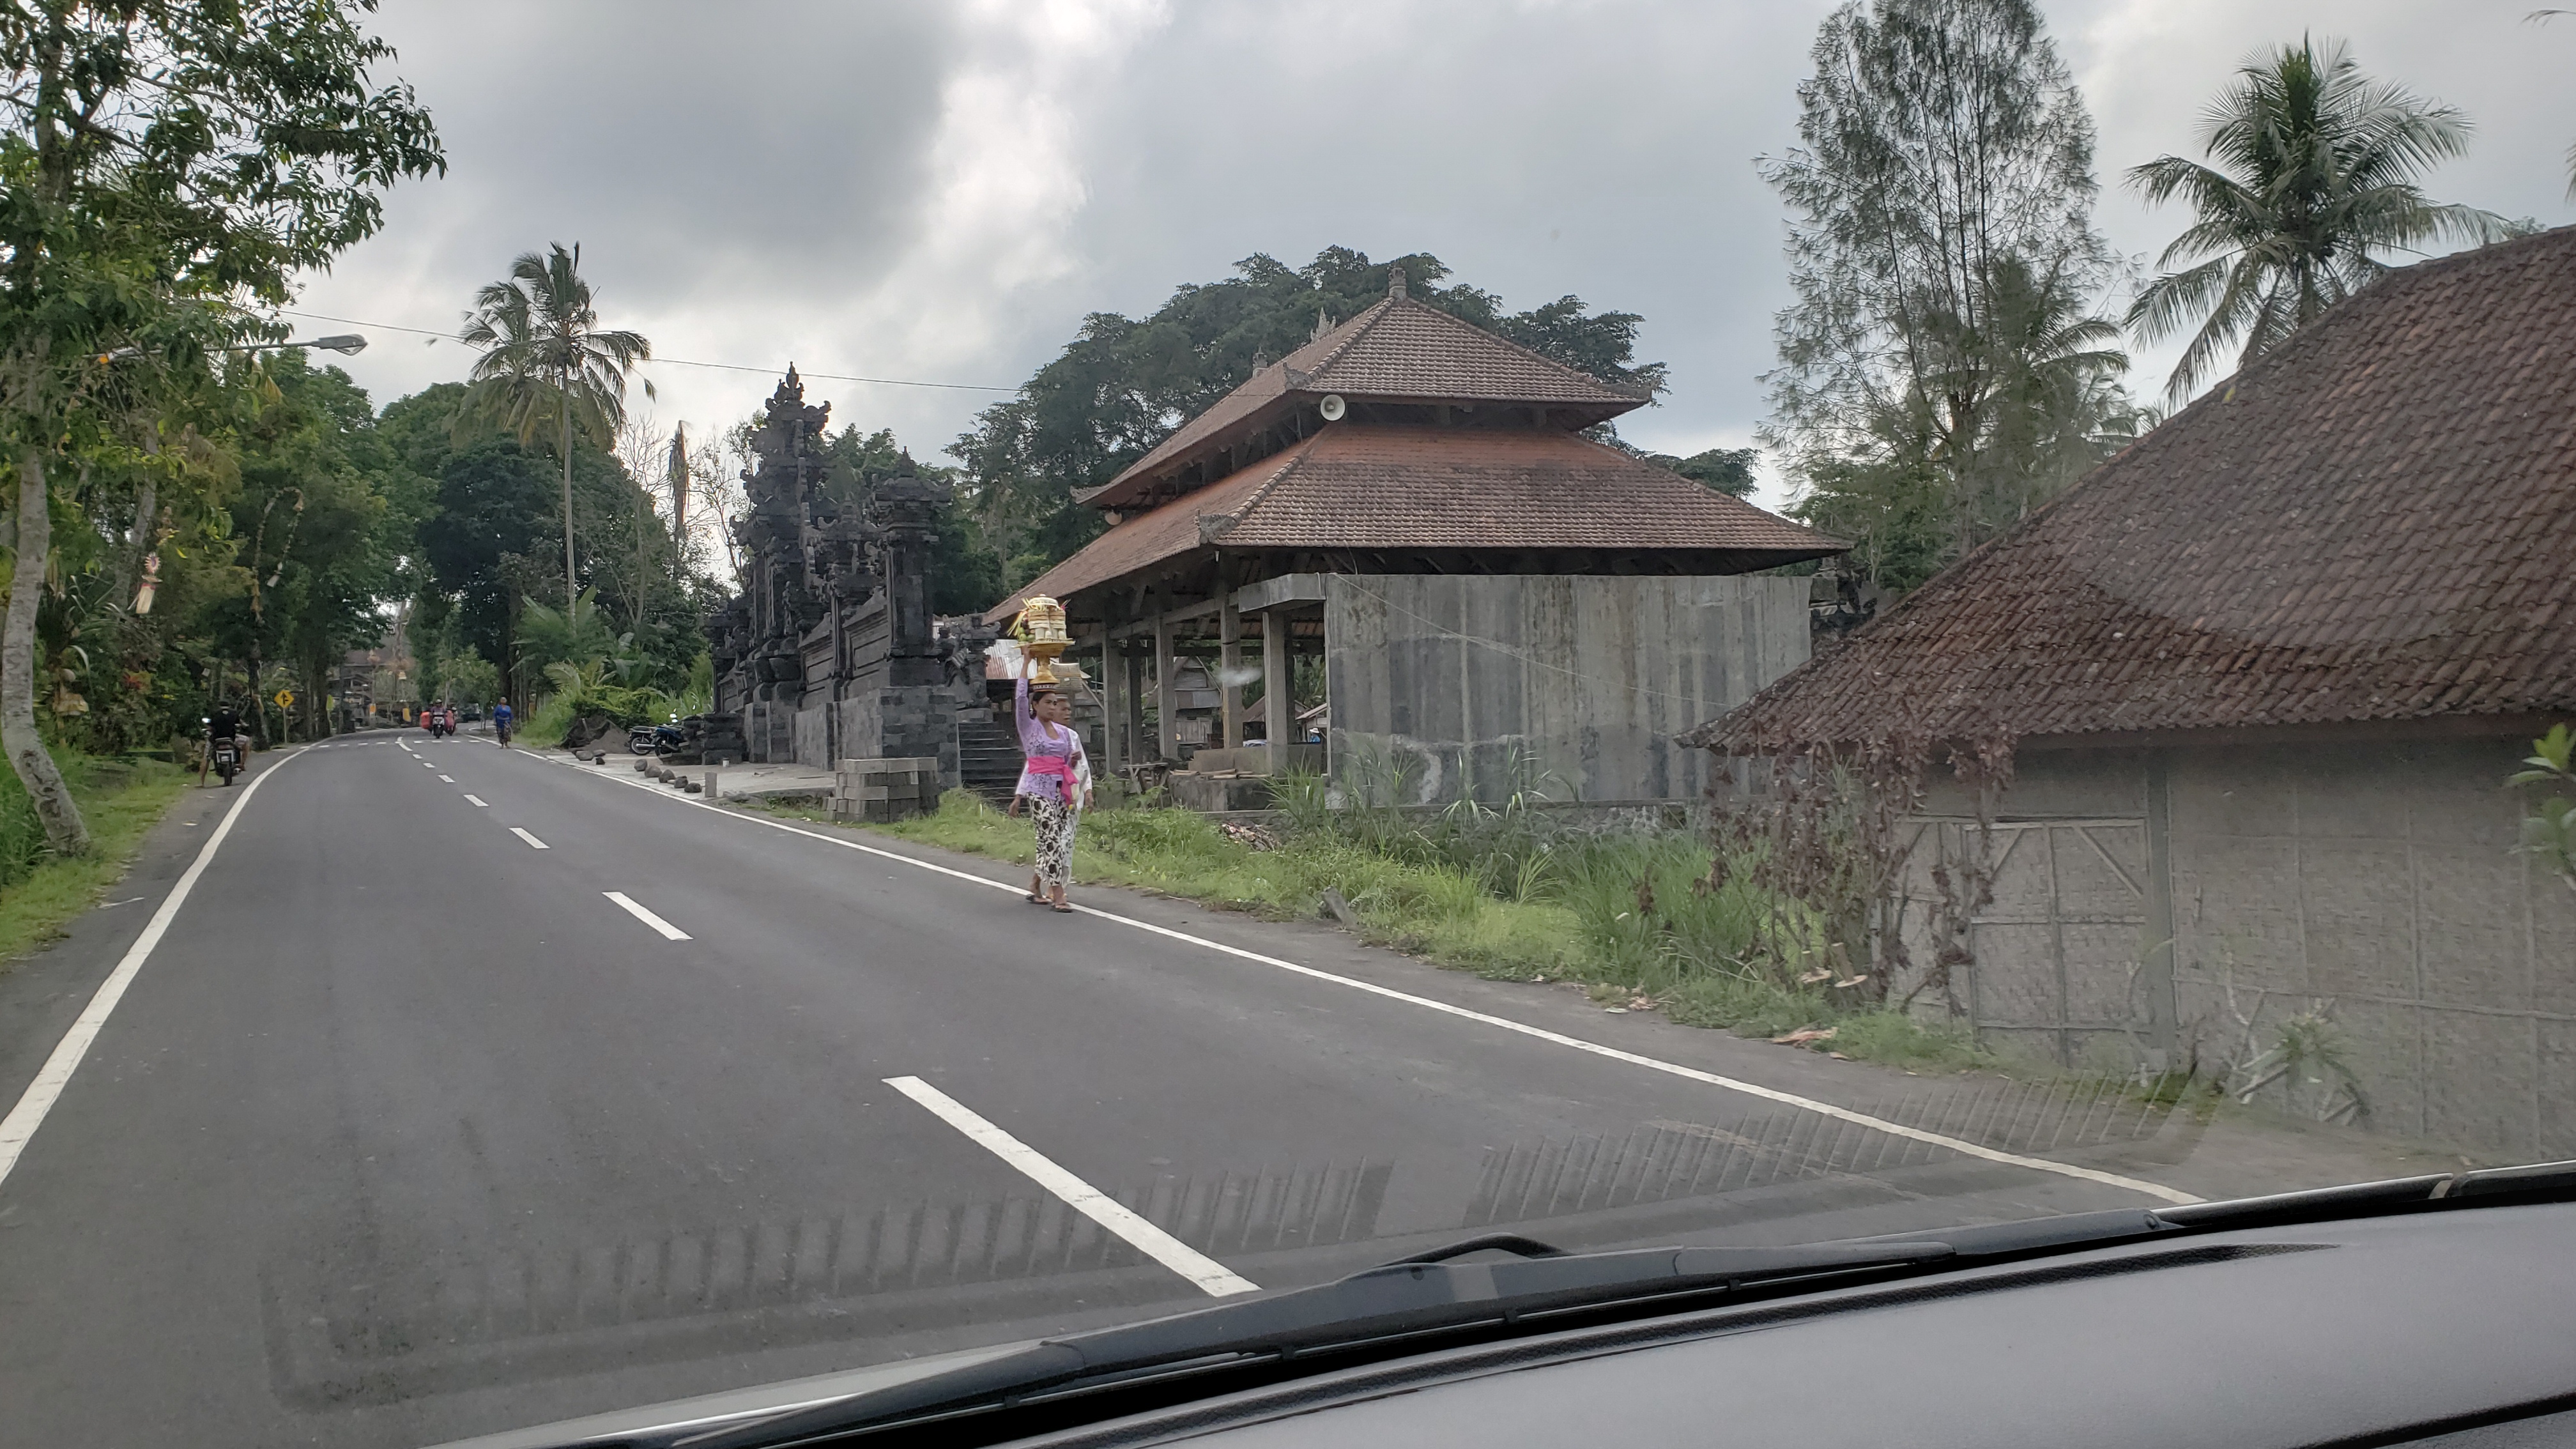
(677, 361)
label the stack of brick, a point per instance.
(885, 789)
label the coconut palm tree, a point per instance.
(546, 360)
(2315, 172)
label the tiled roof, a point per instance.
(2377, 522)
(1397, 348)
(1353, 486)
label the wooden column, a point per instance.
(1113, 711)
(1279, 705)
(1167, 700)
(1229, 641)
(1132, 664)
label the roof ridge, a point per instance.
(1352, 329)
(1488, 334)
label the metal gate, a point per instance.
(2057, 952)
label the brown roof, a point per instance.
(1355, 486)
(1396, 349)
(2376, 522)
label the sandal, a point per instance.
(1063, 910)
(1035, 899)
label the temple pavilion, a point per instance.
(1495, 597)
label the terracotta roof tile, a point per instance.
(1394, 349)
(2377, 522)
(1353, 486)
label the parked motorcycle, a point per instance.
(670, 739)
(639, 738)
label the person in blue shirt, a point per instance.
(501, 722)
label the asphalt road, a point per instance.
(408, 1129)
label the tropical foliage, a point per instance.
(549, 368)
(163, 163)
(1943, 367)
(2314, 182)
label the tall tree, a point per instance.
(161, 156)
(1941, 203)
(547, 359)
(2316, 171)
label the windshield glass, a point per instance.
(704, 696)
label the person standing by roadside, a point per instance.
(1056, 783)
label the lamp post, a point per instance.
(342, 342)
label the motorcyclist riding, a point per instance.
(224, 727)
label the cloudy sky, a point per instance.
(938, 192)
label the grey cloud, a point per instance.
(761, 182)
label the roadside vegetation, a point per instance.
(1632, 918)
(41, 891)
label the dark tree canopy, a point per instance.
(1124, 384)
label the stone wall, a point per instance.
(2374, 880)
(1470, 681)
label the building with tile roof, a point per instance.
(2262, 677)
(1408, 445)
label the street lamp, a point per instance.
(342, 342)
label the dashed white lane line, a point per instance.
(1081, 1196)
(1502, 1023)
(477, 802)
(669, 931)
(532, 840)
(447, 779)
(39, 1098)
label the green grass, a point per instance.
(39, 892)
(1630, 917)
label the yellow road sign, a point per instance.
(286, 699)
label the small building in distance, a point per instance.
(1495, 599)
(2261, 680)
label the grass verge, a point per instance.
(42, 892)
(1625, 917)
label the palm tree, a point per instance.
(545, 359)
(2316, 172)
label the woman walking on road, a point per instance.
(1056, 782)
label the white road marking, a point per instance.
(1081, 1196)
(447, 779)
(669, 931)
(477, 802)
(39, 1098)
(1501, 1023)
(532, 840)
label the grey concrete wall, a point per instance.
(2376, 880)
(1587, 676)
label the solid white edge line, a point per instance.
(669, 931)
(20, 1125)
(477, 802)
(1540, 1033)
(532, 840)
(1082, 1197)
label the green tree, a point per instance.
(2315, 176)
(1940, 355)
(1124, 384)
(546, 360)
(1722, 470)
(160, 156)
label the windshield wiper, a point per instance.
(1427, 1293)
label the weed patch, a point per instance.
(1634, 917)
(40, 892)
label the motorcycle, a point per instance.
(639, 738)
(227, 760)
(670, 739)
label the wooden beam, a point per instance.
(1166, 693)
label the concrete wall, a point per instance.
(2375, 879)
(1586, 676)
